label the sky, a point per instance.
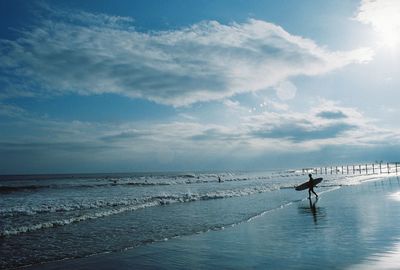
(138, 86)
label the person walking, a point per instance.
(311, 187)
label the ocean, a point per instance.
(47, 218)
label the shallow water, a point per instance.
(353, 227)
(46, 219)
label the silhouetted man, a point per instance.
(311, 187)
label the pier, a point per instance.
(364, 169)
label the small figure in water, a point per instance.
(311, 187)
(219, 179)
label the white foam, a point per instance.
(62, 222)
(110, 206)
(53, 206)
(126, 205)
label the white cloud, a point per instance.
(325, 123)
(231, 104)
(384, 17)
(36, 141)
(96, 53)
(276, 106)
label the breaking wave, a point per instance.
(116, 207)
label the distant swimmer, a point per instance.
(311, 187)
(219, 179)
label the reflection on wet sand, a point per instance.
(384, 260)
(311, 208)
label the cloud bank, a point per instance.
(189, 144)
(90, 54)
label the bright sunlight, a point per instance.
(384, 17)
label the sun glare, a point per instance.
(395, 196)
(384, 17)
(388, 29)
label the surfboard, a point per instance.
(305, 185)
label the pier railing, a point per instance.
(368, 168)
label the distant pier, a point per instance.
(365, 169)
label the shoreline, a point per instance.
(296, 229)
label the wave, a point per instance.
(10, 189)
(162, 238)
(162, 199)
(121, 206)
(106, 207)
(122, 182)
(62, 222)
(57, 206)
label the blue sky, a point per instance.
(101, 86)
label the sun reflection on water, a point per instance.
(387, 260)
(395, 196)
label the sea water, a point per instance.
(54, 217)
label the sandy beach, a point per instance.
(349, 227)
